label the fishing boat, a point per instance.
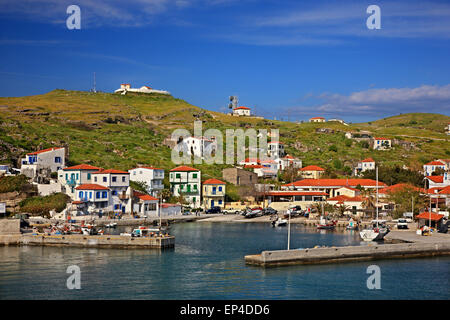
(143, 231)
(325, 223)
(379, 228)
(279, 222)
(111, 225)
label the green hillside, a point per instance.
(115, 131)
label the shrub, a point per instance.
(13, 183)
(43, 205)
(333, 148)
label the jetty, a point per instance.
(10, 235)
(411, 246)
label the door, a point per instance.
(212, 203)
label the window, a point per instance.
(178, 175)
(114, 193)
(80, 194)
(89, 176)
(194, 176)
(152, 206)
(57, 159)
(67, 176)
(220, 188)
(97, 195)
(220, 201)
(123, 179)
(195, 187)
(90, 195)
(95, 179)
(77, 177)
(116, 207)
(104, 194)
(105, 179)
(114, 179)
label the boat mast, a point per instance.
(377, 195)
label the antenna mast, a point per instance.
(94, 89)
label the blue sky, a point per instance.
(285, 59)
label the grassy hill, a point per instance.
(115, 131)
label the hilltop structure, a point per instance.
(241, 111)
(126, 87)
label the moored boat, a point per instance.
(325, 223)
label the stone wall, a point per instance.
(9, 226)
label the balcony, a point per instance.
(123, 196)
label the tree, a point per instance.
(402, 199)
(341, 209)
(369, 202)
(395, 175)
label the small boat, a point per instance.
(326, 224)
(376, 233)
(352, 225)
(89, 230)
(111, 225)
(279, 222)
(143, 231)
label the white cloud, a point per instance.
(426, 98)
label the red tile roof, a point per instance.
(434, 190)
(253, 166)
(184, 168)
(312, 168)
(381, 138)
(336, 183)
(316, 118)
(344, 198)
(91, 186)
(446, 190)
(436, 179)
(435, 163)
(147, 197)
(368, 160)
(42, 151)
(252, 160)
(213, 181)
(296, 193)
(398, 187)
(242, 107)
(83, 167)
(113, 171)
(426, 215)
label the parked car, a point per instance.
(269, 211)
(294, 211)
(231, 211)
(402, 224)
(213, 210)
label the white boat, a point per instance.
(146, 232)
(377, 232)
(279, 222)
(111, 225)
(325, 223)
(378, 229)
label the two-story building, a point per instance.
(432, 166)
(118, 182)
(197, 146)
(289, 162)
(275, 149)
(151, 176)
(52, 159)
(213, 193)
(186, 181)
(74, 176)
(239, 177)
(364, 165)
(92, 198)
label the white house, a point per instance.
(186, 181)
(317, 119)
(118, 183)
(241, 111)
(125, 87)
(382, 143)
(151, 176)
(52, 159)
(289, 161)
(145, 205)
(438, 181)
(72, 177)
(93, 198)
(432, 166)
(364, 165)
(197, 146)
(276, 149)
(447, 129)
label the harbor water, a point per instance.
(208, 263)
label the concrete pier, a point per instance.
(417, 246)
(99, 241)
